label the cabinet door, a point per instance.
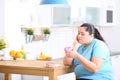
(61, 15)
(92, 15)
(16, 77)
(1, 76)
(116, 65)
(44, 15)
(54, 15)
(31, 77)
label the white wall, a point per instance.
(2, 7)
(111, 33)
(54, 47)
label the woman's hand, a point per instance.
(67, 59)
(71, 53)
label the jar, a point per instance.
(1, 54)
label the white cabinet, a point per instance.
(16, 77)
(1, 76)
(54, 15)
(44, 15)
(116, 65)
(69, 76)
(31, 77)
(107, 17)
(93, 15)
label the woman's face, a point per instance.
(83, 36)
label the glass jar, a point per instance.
(1, 54)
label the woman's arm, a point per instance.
(93, 66)
(75, 45)
(67, 61)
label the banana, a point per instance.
(44, 57)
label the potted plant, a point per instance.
(46, 32)
(30, 31)
(29, 35)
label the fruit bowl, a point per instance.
(16, 54)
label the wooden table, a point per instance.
(32, 67)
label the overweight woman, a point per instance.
(92, 58)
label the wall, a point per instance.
(111, 33)
(2, 7)
(54, 46)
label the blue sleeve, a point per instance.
(100, 50)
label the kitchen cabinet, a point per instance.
(1, 76)
(54, 15)
(16, 77)
(70, 76)
(107, 11)
(31, 77)
(115, 59)
(93, 15)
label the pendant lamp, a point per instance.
(53, 2)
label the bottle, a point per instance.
(1, 54)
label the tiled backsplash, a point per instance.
(54, 47)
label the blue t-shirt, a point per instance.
(96, 49)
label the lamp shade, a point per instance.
(53, 2)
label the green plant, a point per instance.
(3, 43)
(46, 31)
(30, 32)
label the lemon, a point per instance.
(12, 53)
(22, 52)
(18, 54)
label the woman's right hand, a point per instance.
(67, 60)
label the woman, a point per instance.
(92, 58)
